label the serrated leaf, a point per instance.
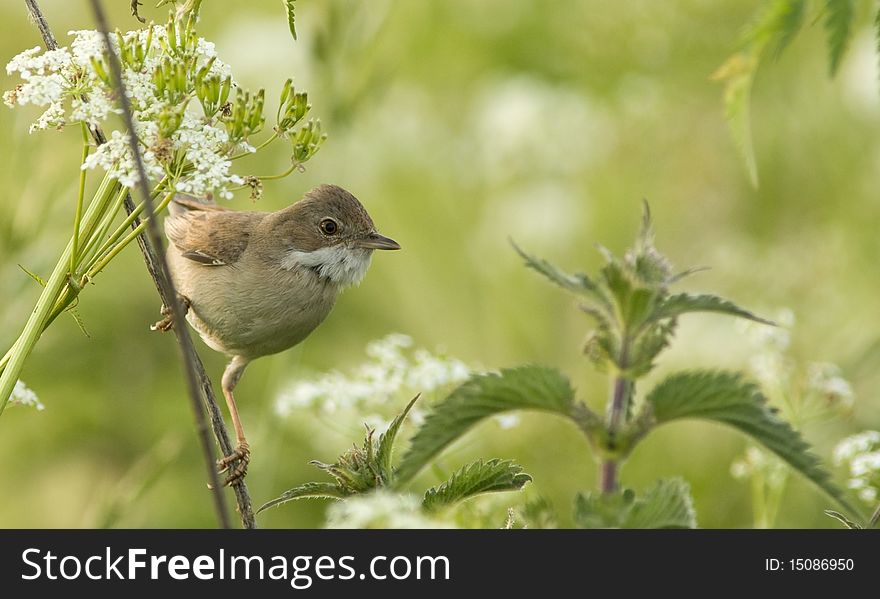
(838, 28)
(291, 19)
(603, 510)
(667, 504)
(386, 443)
(474, 479)
(482, 396)
(306, 491)
(684, 303)
(577, 283)
(727, 398)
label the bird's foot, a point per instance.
(242, 455)
(167, 322)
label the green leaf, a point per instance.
(291, 19)
(725, 397)
(789, 18)
(578, 283)
(40, 280)
(838, 28)
(684, 303)
(843, 519)
(603, 510)
(386, 443)
(482, 396)
(474, 479)
(307, 491)
(667, 504)
(738, 73)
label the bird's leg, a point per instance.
(242, 452)
(167, 322)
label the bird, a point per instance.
(257, 283)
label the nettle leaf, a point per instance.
(386, 443)
(482, 396)
(727, 398)
(603, 510)
(838, 27)
(578, 283)
(474, 479)
(684, 303)
(307, 491)
(667, 504)
(291, 19)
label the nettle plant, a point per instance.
(636, 315)
(192, 123)
(370, 468)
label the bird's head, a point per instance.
(330, 232)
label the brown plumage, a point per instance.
(257, 283)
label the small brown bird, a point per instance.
(257, 283)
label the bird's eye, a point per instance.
(329, 226)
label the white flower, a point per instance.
(826, 381)
(61, 79)
(377, 384)
(861, 455)
(381, 509)
(23, 396)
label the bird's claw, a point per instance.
(167, 322)
(236, 471)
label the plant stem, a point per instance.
(79, 198)
(150, 258)
(621, 390)
(166, 285)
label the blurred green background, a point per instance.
(460, 124)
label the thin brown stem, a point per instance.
(193, 361)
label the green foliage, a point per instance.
(291, 19)
(369, 467)
(476, 478)
(314, 490)
(684, 303)
(667, 504)
(772, 31)
(727, 398)
(838, 26)
(484, 395)
(843, 520)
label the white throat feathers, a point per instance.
(342, 265)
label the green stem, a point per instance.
(273, 137)
(102, 262)
(45, 310)
(621, 394)
(79, 198)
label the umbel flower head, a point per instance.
(186, 117)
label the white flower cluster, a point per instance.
(375, 384)
(812, 389)
(381, 509)
(757, 462)
(66, 82)
(861, 455)
(24, 396)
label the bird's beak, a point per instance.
(374, 241)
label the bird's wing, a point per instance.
(209, 234)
